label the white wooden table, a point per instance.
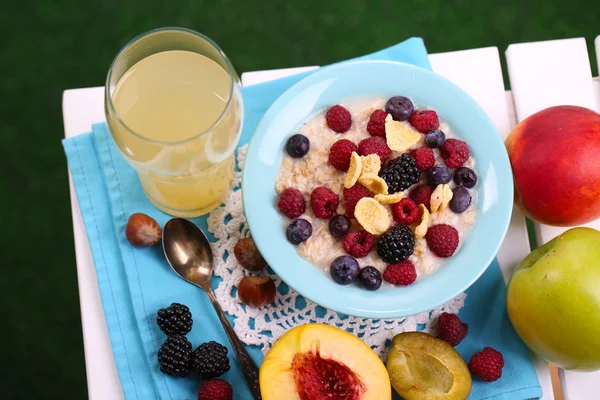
(542, 74)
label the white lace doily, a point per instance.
(263, 326)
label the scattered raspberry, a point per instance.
(291, 203)
(358, 243)
(451, 329)
(424, 121)
(424, 158)
(323, 202)
(340, 153)
(248, 256)
(402, 274)
(421, 194)
(215, 389)
(487, 365)
(374, 145)
(442, 239)
(338, 119)
(406, 211)
(352, 196)
(376, 124)
(455, 153)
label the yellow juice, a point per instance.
(174, 122)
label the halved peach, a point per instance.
(422, 367)
(322, 362)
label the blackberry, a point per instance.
(175, 319)
(397, 244)
(174, 356)
(401, 173)
(210, 360)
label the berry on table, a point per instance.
(142, 230)
(376, 124)
(340, 153)
(424, 121)
(344, 270)
(435, 139)
(248, 256)
(401, 173)
(174, 356)
(421, 194)
(439, 175)
(374, 145)
(298, 231)
(465, 176)
(487, 365)
(406, 211)
(297, 146)
(461, 199)
(455, 153)
(323, 202)
(424, 158)
(352, 196)
(215, 389)
(401, 274)
(397, 244)
(291, 203)
(338, 119)
(358, 243)
(370, 278)
(451, 329)
(339, 226)
(442, 240)
(175, 319)
(210, 360)
(400, 107)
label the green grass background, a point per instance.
(48, 46)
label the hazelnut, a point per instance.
(248, 256)
(256, 291)
(142, 230)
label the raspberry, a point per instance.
(374, 145)
(421, 194)
(352, 196)
(406, 211)
(442, 239)
(215, 389)
(402, 274)
(455, 153)
(424, 121)
(291, 203)
(338, 119)
(487, 365)
(451, 329)
(376, 124)
(323, 202)
(358, 243)
(424, 158)
(340, 153)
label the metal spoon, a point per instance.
(189, 254)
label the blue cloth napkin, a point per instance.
(135, 283)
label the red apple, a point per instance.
(555, 158)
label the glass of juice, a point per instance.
(174, 108)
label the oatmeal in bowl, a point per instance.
(377, 191)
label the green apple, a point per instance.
(553, 300)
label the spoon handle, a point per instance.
(248, 366)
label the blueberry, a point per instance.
(339, 225)
(344, 270)
(435, 139)
(465, 177)
(370, 278)
(400, 107)
(297, 146)
(439, 174)
(298, 231)
(461, 199)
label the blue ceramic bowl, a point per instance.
(332, 85)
